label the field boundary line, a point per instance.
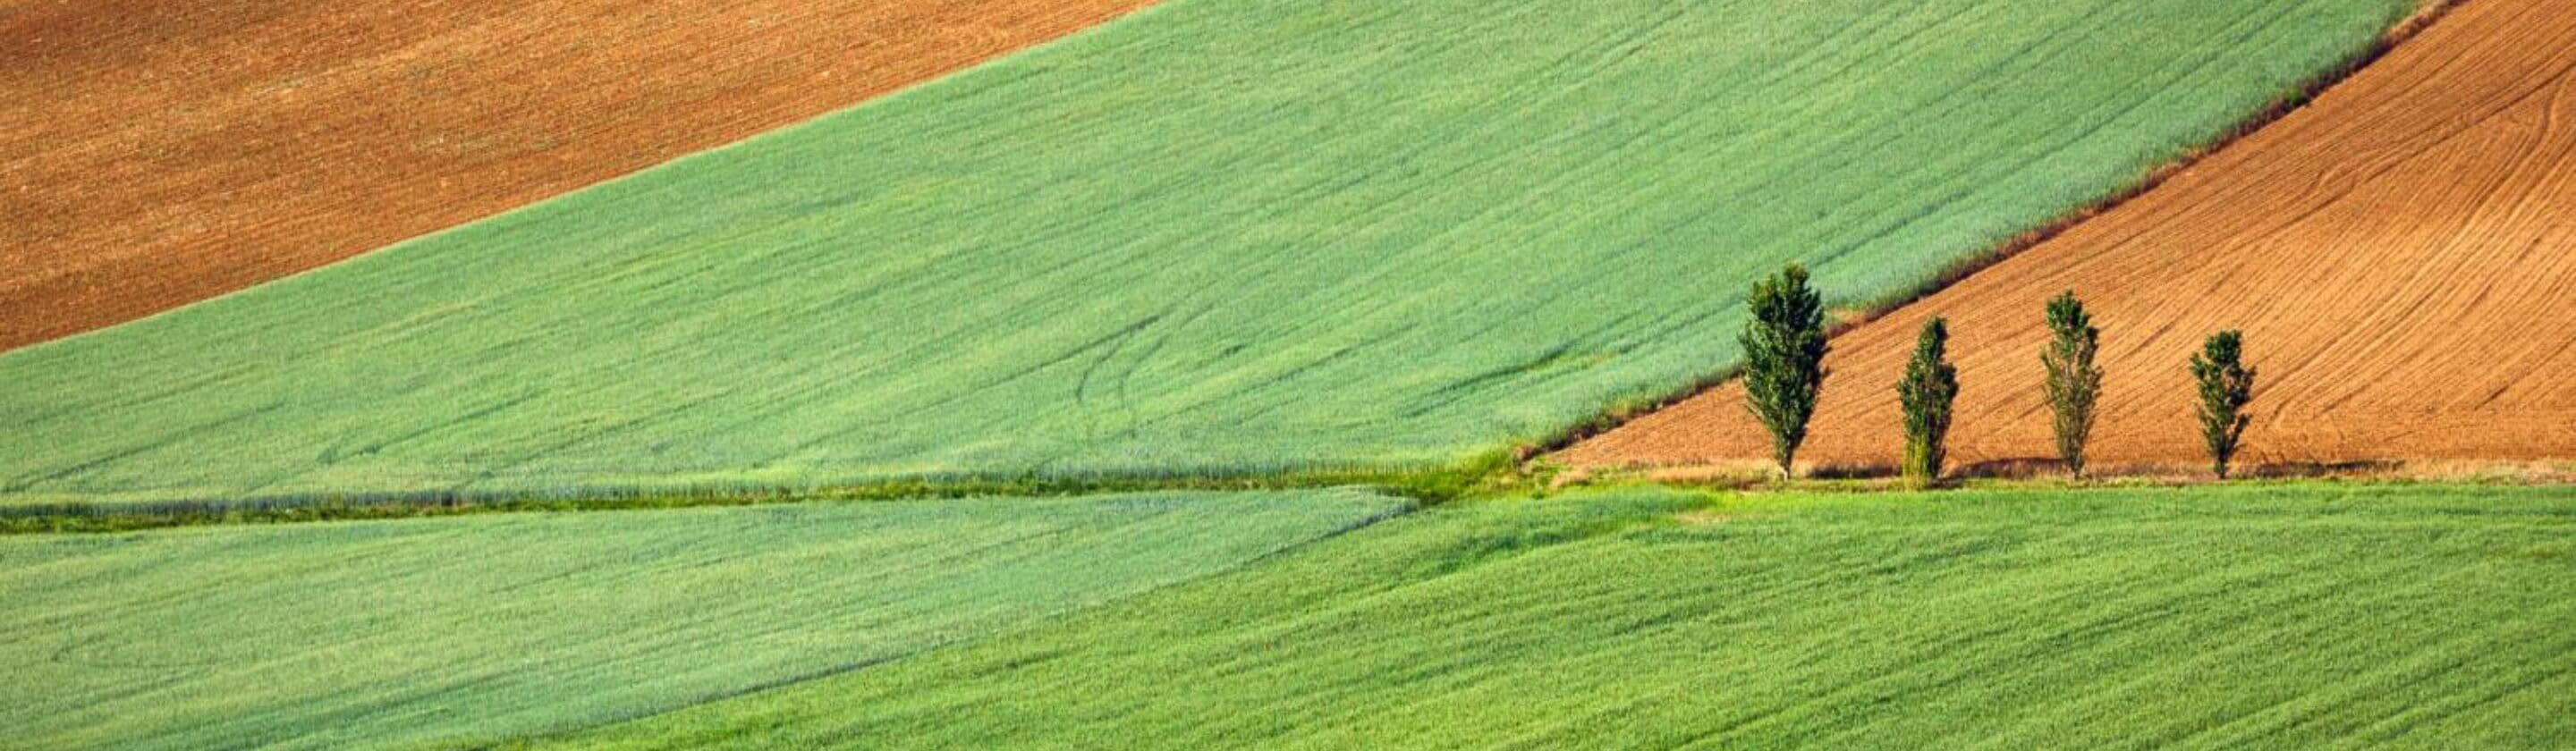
(1868, 310)
(1421, 488)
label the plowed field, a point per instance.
(2401, 256)
(156, 153)
(1214, 239)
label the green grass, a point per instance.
(2307, 616)
(1219, 237)
(1486, 476)
(479, 628)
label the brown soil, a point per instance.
(154, 153)
(2401, 256)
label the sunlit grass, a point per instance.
(2277, 617)
(1218, 237)
(399, 633)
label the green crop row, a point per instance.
(1216, 238)
(476, 629)
(2301, 616)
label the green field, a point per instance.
(1216, 237)
(485, 627)
(2265, 617)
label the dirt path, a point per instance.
(155, 153)
(2401, 256)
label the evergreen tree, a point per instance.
(2074, 382)
(1930, 383)
(1784, 355)
(2226, 385)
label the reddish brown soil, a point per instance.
(159, 152)
(2401, 256)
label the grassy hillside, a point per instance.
(2386, 252)
(1218, 236)
(403, 633)
(2281, 617)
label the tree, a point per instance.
(2074, 382)
(1930, 383)
(1784, 355)
(2226, 385)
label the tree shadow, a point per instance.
(2012, 468)
(1852, 471)
(2300, 470)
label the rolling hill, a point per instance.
(153, 154)
(2276, 617)
(1214, 238)
(1254, 248)
(447, 632)
(2399, 255)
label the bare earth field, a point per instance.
(157, 153)
(1210, 240)
(2401, 256)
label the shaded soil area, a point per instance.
(156, 153)
(2401, 256)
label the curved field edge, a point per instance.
(2387, 252)
(2309, 616)
(148, 162)
(1854, 316)
(1172, 247)
(451, 632)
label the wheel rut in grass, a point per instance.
(1403, 210)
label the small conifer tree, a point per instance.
(2074, 382)
(1784, 355)
(1930, 383)
(2226, 386)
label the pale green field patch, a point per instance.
(1218, 237)
(488, 627)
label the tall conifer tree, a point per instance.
(1784, 355)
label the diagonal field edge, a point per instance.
(1338, 238)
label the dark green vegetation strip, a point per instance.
(1487, 474)
(1218, 238)
(477, 629)
(2282, 617)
